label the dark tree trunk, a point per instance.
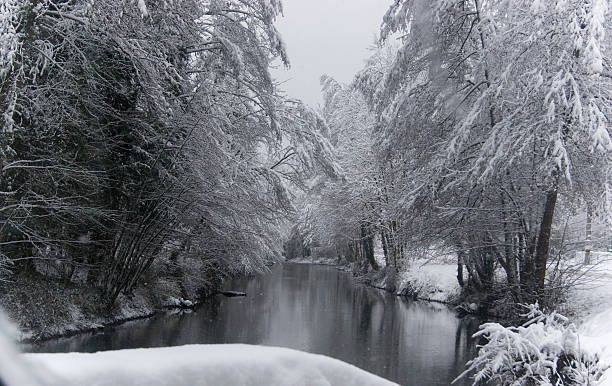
(384, 246)
(460, 268)
(543, 246)
(367, 242)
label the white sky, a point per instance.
(326, 37)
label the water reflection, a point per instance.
(312, 308)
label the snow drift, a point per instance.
(223, 364)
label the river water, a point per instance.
(311, 308)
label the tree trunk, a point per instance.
(542, 249)
(460, 269)
(367, 243)
(384, 246)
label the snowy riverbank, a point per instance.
(589, 305)
(422, 281)
(47, 309)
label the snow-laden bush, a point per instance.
(543, 351)
(429, 281)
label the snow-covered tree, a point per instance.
(343, 214)
(142, 132)
(495, 109)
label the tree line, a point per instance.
(472, 128)
(146, 136)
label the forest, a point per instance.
(148, 155)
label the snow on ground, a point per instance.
(592, 302)
(596, 336)
(594, 292)
(222, 364)
(314, 260)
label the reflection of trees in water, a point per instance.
(316, 309)
(465, 345)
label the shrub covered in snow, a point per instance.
(545, 350)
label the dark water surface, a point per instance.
(311, 308)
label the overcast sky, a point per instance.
(326, 37)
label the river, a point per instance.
(313, 308)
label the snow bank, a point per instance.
(225, 364)
(596, 336)
(436, 282)
(593, 293)
(592, 302)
